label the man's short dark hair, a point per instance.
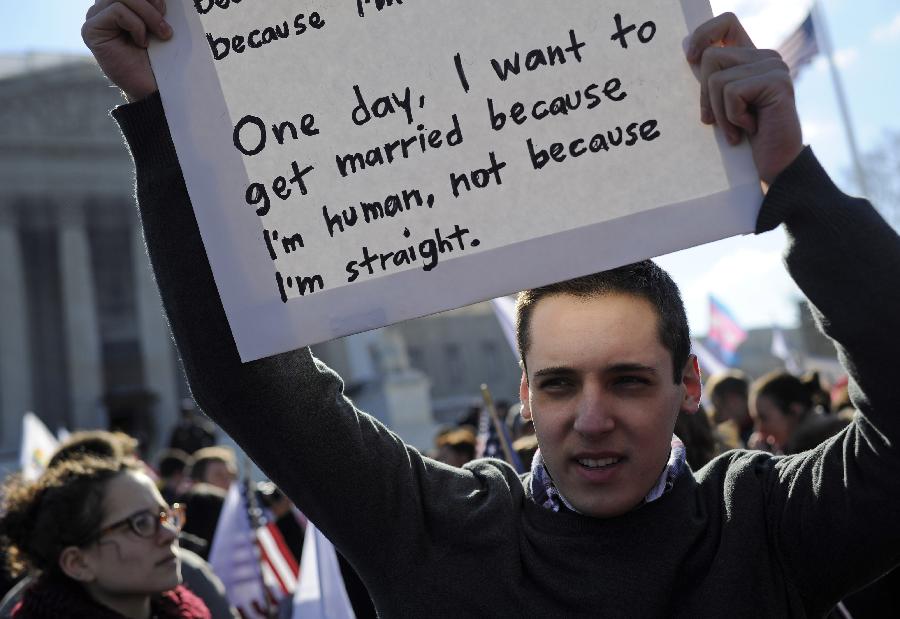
(644, 280)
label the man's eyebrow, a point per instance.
(619, 368)
(553, 371)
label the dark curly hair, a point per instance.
(98, 443)
(63, 508)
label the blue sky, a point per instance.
(744, 273)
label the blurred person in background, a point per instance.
(840, 397)
(701, 441)
(518, 425)
(215, 465)
(204, 504)
(98, 540)
(525, 447)
(455, 446)
(728, 394)
(818, 391)
(785, 416)
(173, 465)
(194, 431)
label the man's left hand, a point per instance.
(748, 91)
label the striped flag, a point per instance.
(725, 334)
(799, 49)
(256, 566)
(279, 567)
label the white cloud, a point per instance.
(751, 282)
(889, 31)
(817, 130)
(843, 58)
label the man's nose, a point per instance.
(595, 412)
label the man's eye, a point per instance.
(555, 384)
(631, 381)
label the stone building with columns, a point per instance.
(83, 341)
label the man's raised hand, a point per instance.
(117, 32)
(747, 90)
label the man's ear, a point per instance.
(74, 564)
(690, 379)
(523, 396)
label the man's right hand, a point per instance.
(117, 32)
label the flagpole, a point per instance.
(253, 515)
(824, 38)
(492, 411)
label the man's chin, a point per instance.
(603, 503)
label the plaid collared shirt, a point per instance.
(546, 494)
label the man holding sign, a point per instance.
(610, 521)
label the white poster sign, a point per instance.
(358, 163)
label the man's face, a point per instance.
(601, 393)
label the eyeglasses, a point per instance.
(146, 523)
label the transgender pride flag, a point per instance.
(725, 334)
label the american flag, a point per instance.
(488, 444)
(799, 49)
(254, 562)
(279, 567)
(725, 334)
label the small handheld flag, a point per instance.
(493, 439)
(725, 334)
(321, 593)
(38, 445)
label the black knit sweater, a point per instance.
(748, 535)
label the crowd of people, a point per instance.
(622, 494)
(94, 537)
(71, 538)
(98, 507)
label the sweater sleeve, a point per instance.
(834, 511)
(379, 501)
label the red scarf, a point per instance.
(55, 597)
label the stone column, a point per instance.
(16, 395)
(83, 346)
(160, 369)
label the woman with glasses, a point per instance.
(101, 540)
